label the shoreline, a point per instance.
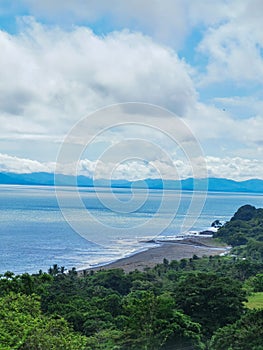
(176, 250)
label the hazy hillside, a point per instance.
(214, 184)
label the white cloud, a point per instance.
(235, 48)
(23, 165)
(134, 170)
(235, 168)
(240, 106)
(234, 128)
(51, 78)
(166, 21)
(156, 19)
(231, 29)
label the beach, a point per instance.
(171, 251)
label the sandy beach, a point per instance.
(171, 251)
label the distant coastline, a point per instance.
(190, 184)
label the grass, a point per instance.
(209, 241)
(255, 301)
(217, 242)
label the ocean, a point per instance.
(38, 230)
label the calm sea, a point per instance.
(35, 233)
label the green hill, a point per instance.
(245, 232)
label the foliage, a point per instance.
(255, 283)
(24, 327)
(245, 213)
(152, 320)
(210, 300)
(246, 333)
(245, 232)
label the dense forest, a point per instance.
(197, 303)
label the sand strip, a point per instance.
(170, 251)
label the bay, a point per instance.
(35, 232)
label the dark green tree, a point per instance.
(152, 322)
(246, 333)
(24, 327)
(245, 213)
(210, 300)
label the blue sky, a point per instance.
(202, 60)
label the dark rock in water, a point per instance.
(217, 224)
(148, 241)
(206, 232)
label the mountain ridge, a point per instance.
(214, 184)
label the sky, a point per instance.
(172, 70)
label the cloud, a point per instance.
(235, 168)
(234, 48)
(51, 78)
(169, 21)
(240, 107)
(53, 75)
(230, 32)
(156, 19)
(230, 126)
(23, 165)
(126, 169)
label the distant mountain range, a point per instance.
(214, 184)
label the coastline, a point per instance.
(171, 251)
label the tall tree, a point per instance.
(246, 333)
(210, 300)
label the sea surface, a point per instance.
(39, 227)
